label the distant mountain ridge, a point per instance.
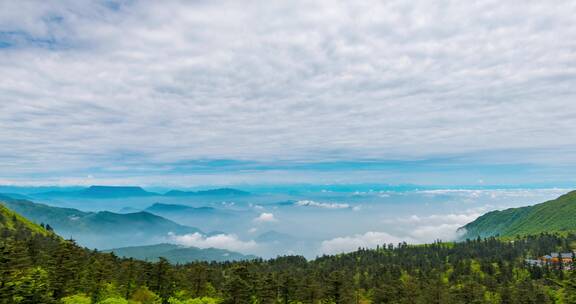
(103, 192)
(179, 254)
(558, 215)
(100, 192)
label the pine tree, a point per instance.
(238, 290)
(339, 288)
(34, 288)
(65, 268)
(162, 280)
(267, 291)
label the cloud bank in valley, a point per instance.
(314, 204)
(222, 241)
(418, 230)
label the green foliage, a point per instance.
(143, 295)
(76, 299)
(33, 287)
(569, 291)
(203, 300)
(114, 300)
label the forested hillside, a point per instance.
(39, 267)
(552, 216)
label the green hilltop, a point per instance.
(558, 215)
(13, 221)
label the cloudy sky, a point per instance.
(224, 92)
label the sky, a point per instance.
(250, 92)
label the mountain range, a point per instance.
(69, 220)
(106, 192)
(107, 229)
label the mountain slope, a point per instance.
(557, 215)
(179, 254)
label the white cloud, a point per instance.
(430, 233)
(329, 79)
(222, 241)
(265, 217)
(417, 230)
(367, 240)
(310, 203)
(451, 218)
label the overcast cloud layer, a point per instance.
(115, 90)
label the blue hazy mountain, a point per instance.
(179, 254)
(99, 229)
(16, 196)
(100, 192)
(275, 236)
(104, 192)
(208, 217)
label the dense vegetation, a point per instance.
(37, 266)
(553, 216)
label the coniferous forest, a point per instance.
(37, 266)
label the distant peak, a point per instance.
(117, 191)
